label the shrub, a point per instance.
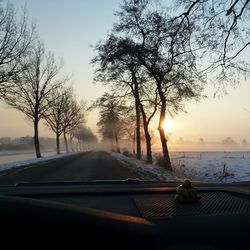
(159, 160)
(126, 153)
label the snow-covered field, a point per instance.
(213, 166)
(17, 164)
(205, 166)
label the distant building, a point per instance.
(23, 140)
(5, 140)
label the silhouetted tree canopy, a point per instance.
(16, 39)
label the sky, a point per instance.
(69, 28)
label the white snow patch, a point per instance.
(148, 171)
(224, 167)
(26, 163)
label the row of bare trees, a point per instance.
(31, 80)
(64, 116)
(114, 117)
(161, 57)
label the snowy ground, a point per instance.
(213, 166)
(223, 167)
(17, 164)
(150, 171)
(24, 155)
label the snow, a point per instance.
(31, 162)
(148, 171)
(223, 167)
(208, 166)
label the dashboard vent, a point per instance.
(211, 203)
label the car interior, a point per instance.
(128, 214)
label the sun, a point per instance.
(167, 125)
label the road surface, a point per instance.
(95, 165)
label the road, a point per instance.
(94, 165)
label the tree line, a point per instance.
(156, 58)
(31, 81)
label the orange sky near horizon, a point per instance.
(212, 119)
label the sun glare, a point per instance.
(167, 125)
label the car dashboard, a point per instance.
(130, 215)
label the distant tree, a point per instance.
(78, 135)
(54, 115)
(244, 142)
(31, 93)
(180, 141)
(71, 139)
(84, 135)
(16, 38)
(87, 136)
(201, 140)
(228, 141)
(110, 124)
(73, 117)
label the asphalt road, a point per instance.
(95, 165)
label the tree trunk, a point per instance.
(58, 143)
(138, 133)
(165, 152)
(147, 135)
(117, 144)
(36, 139)
(66, 142)
(138, 118)
(133, 143)
(71, 145)
(79, 145)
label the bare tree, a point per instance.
(16, 38)
(73, 117)
(78, 135)
(65, 115)
(111, 125)
(32, 91)
(164, 54)
(118, 66)
(54, 115)
(222, 28)
(86, 138)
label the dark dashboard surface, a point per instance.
(219, 221)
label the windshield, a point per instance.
(130, 89)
